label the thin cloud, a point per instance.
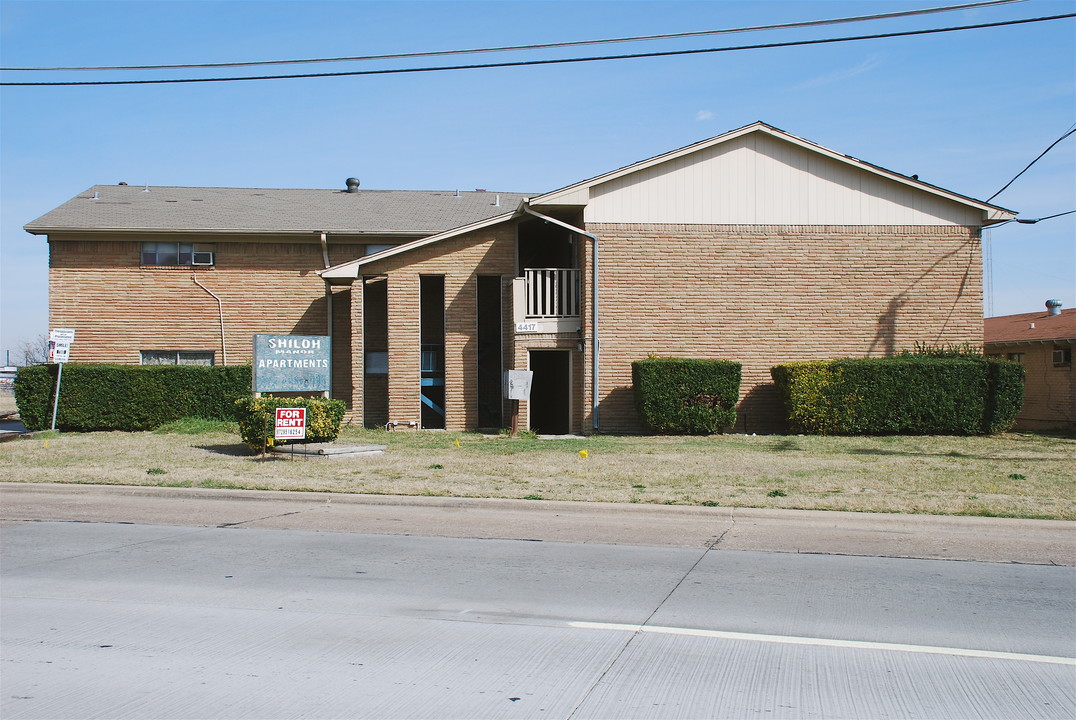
(837, 75)
(704, 115)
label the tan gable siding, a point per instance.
(761, 179)
(761, 295)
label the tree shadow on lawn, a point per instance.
(950, 454)
(233, 450)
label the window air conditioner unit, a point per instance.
(201, 258)
(1062, 356)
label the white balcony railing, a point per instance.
(552, 292)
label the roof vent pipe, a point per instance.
(352, 185)
(1053, 307)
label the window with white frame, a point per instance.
(177, 357)
(173, 254)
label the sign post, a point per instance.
(60, 340)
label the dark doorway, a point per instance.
(550, 403)
(544, 245)
(432, 329)
(489, 352)
(375, 345)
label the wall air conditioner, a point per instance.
(201, 257)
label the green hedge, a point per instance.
(128, 397)
(256, 418)
(686, 396)
(906, 395)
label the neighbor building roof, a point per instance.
(129, 208)
(1036, 327)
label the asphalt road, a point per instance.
(199, 613)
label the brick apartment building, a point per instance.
(755, 246)
(1043, 343)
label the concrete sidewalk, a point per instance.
(1044, 542)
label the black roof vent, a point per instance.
(352, 185)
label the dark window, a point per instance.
(177, 357)
(1062, 356)
(164, 253)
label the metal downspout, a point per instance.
(220, 311)
(594, 304)
(328, 299)
(328, 288)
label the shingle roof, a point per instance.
(1030, 327)
(132, 208)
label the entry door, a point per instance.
(550, 403)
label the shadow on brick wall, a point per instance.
(761, 411)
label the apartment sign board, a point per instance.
(291, 363)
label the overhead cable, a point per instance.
(556, 61)
(542, 46)
(1055, 142)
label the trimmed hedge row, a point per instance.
(905, 395)
(128, 397)
(686, 396)
(257, 417)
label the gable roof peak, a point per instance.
(578, 192)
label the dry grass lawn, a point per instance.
(1011, 475)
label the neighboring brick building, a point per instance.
(755, 246)
(1043, 343)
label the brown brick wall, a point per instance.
(1049, 390)
(118, 307)
(761, 295)
(460, 260)
(756, 294)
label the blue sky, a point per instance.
(965, 111)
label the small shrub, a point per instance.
(686, 396)
(256, 418)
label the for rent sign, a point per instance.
(291, 363)
(290, 424)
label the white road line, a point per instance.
(826, 642)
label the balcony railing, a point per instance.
(552, 292)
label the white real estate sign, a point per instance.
(60, 340)
(517, 384)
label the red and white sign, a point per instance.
(290, 424)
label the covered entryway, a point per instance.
(550, 402)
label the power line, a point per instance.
(1030, 221)
(558, 61)
(1055, 142)
(543, 46)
